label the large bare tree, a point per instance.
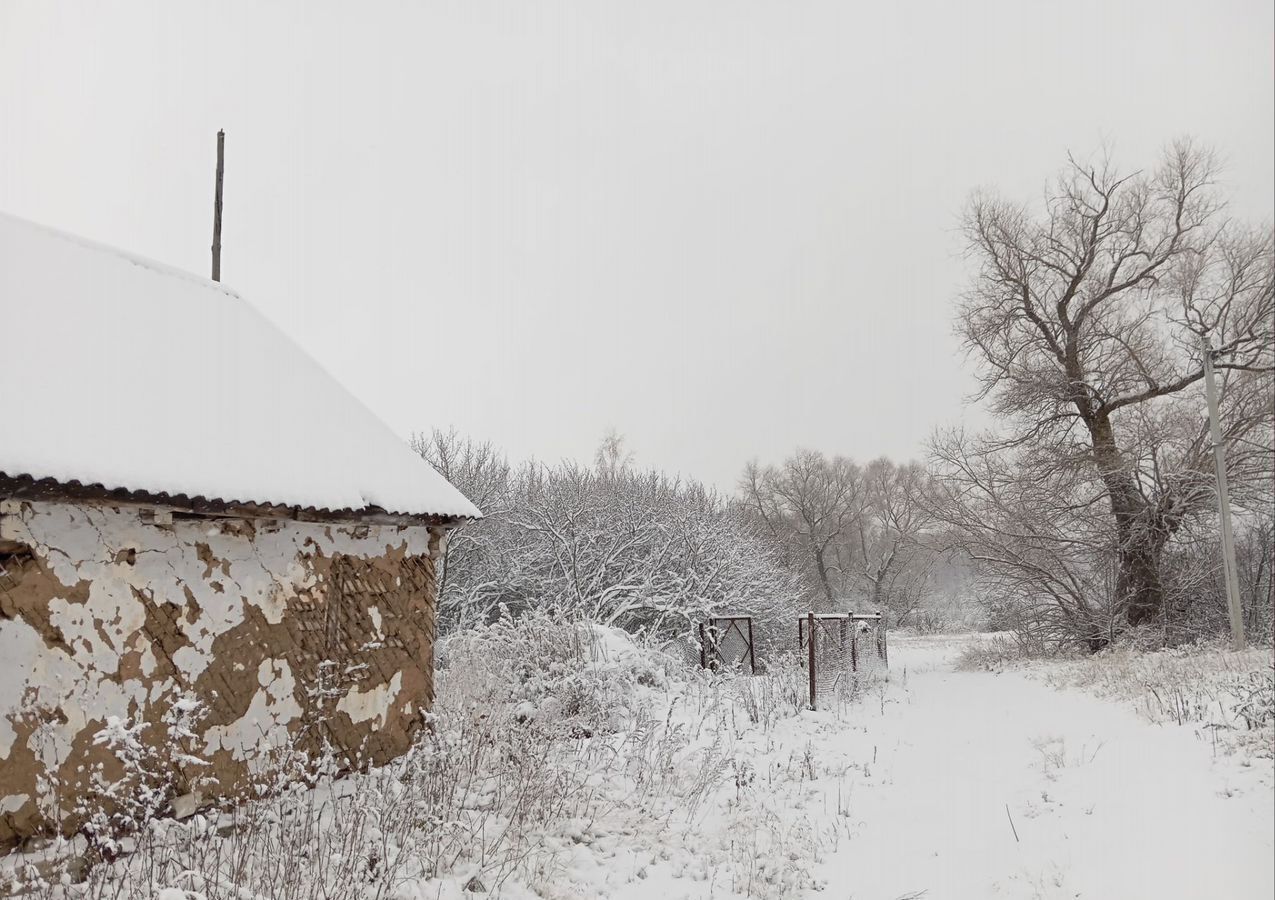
(1086, 317)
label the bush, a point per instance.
(996, 653)
(577, 678)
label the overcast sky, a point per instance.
(725, 229)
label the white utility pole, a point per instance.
(1223, 501)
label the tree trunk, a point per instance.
(823, 575)
(1139, 535)
(1138, 582)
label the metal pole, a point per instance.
(1223, 501)
(221, 170)
(810, 645)
(703, 655)
(752, 650)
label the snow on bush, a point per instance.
(580, 677)
(635, 549)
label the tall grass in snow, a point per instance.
(1231, 693)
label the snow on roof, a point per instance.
(133, 375)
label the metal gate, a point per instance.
(726, 642)
(837, 647)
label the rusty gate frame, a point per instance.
(710, 651)
(813, 623)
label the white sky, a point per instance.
(726, 228)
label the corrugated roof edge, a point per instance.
(25, 487)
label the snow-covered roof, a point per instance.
(135, 376)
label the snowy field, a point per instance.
(568, 763)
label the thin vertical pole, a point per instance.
(810, 646)
(752, 648)
(854, 650)
(1223, 501)
(221, 171)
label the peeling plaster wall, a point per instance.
(281, 632)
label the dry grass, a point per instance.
(994, 653)
(1233, 694)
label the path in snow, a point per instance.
(1105, 804)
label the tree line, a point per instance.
(635, 548)
(1087, 514)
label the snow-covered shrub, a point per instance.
(578, 676)
(607, 543)
(1254, 697)
(997, 652)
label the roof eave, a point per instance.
(24, 487)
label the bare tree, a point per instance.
(814, 500)
(612, 456)
(889, 532)
(1086, 317)
(1034, 528)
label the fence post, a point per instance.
(854, 649)
(703, 656)
(810, 644)
(752, 648)
(843, 627)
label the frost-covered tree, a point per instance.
(1085, 316)
(607, 542)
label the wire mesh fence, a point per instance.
(839, 651)
(726, 642)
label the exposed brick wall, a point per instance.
(286, 633)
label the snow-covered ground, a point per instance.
(998, 785)
(958, 784)
(605, 770)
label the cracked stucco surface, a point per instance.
(112, 616)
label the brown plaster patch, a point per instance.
(28, 587)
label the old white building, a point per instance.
(200, 531)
